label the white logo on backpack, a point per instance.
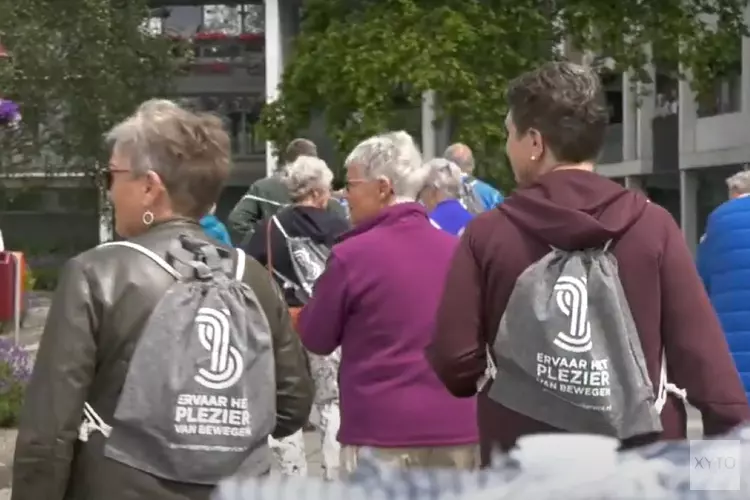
(226, 361)
(572, 299)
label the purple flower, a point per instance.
(9, 112)
(17, 361)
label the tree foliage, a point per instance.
(76, 68)
(357, 62)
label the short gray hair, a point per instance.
(445, 176)
(305, 175)
(461, 155)
(740, 182)
(395, 156)
(189, 152)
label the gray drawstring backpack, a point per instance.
(199, 399)
(309, 259)
(567, 350)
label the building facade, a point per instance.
(676, 147)
(660, 139)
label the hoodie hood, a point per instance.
(574, 209)
(318, 224)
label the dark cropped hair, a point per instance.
(300, 147)
(565, 103)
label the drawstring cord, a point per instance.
(92, 422)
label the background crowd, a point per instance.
(414, 276)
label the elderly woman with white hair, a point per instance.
(81, 434)
(294, 246)
(441, 195)
(377, 300)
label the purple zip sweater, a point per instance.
(377, 299)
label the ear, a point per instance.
(153, 188)
(537, 142)
(385, 187)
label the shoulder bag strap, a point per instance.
(239, 271)
(269, 258)
(148, 253)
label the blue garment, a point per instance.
(490, 196)
(724, 266)
(451, 216)
(216, 229)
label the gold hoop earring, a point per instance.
(148, 218)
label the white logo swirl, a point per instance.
(573, 300)
(311, 269)
(226, 361)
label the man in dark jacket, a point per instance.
(555, 132)
(266, 196)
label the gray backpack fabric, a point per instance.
(309, 260)
(199, 399)
(567, 351)
(469, 197)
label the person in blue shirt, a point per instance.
(441, 196)
(214, 228)
(461, 155)
(724, 266)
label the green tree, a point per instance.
(358, 62)
(76, 68)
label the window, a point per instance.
(667, 92)
(240, 113)
(726, 96)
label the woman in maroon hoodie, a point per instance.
(556, 129)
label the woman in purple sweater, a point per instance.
(377, 299)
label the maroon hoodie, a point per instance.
(575, 209)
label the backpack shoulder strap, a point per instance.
(269, 255)
(148, 253)
(239, 270)
(263, 200)
(279, 227)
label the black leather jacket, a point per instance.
(103, 299)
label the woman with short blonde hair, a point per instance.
(166, 171)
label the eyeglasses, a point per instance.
(350, 183)
(108, 176)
